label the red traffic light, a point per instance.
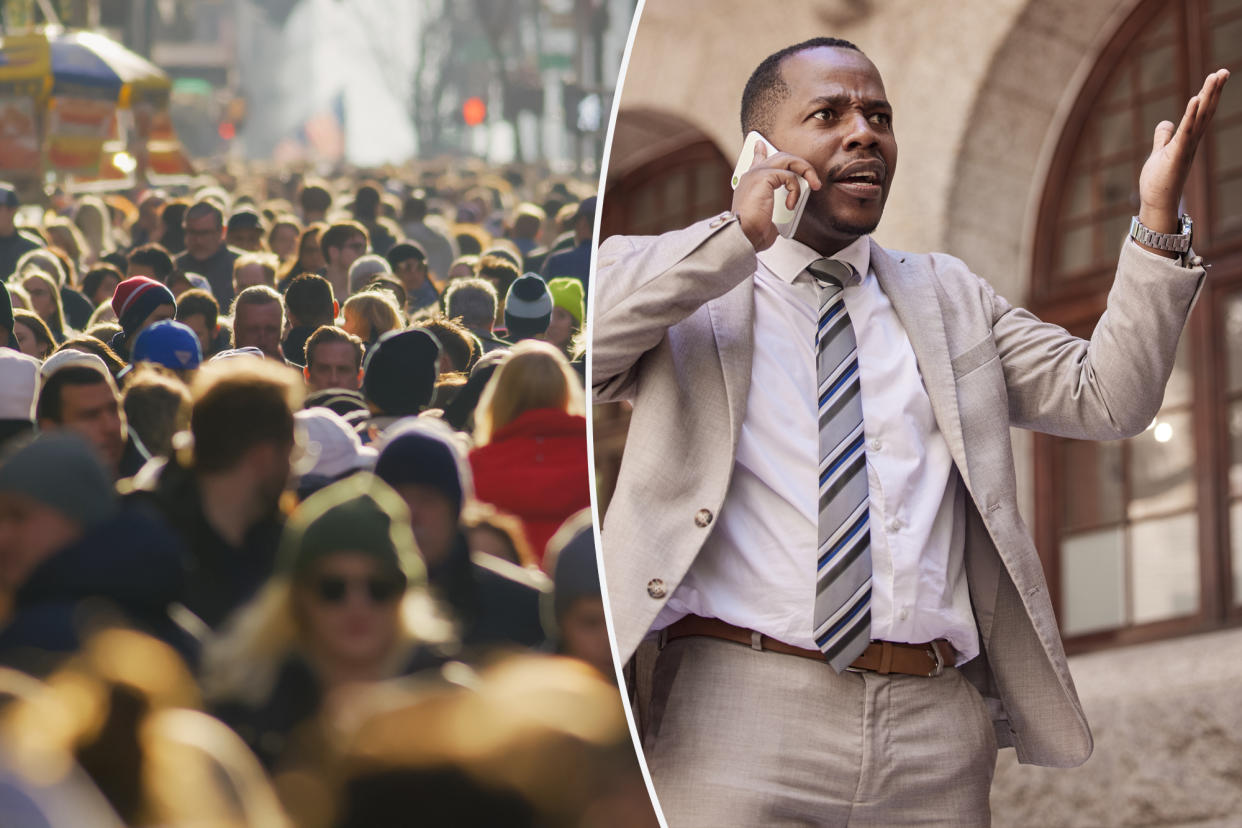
(473, 111)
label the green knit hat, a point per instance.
(358, 514)
(567, 295)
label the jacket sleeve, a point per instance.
(645, 285)
(1110, 386)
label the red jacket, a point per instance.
(536, 468)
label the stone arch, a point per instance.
(1035, 76)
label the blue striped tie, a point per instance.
(843, 579)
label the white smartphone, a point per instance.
(786, 220)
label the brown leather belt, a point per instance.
(882, 657)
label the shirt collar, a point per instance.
(786, 258)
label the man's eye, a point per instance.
(825, 115)
(882, 118)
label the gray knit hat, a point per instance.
(61, 470)
(528, 307)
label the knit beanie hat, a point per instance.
(6, 316)
(528, 307)
(59, 469)
(399, 372)
(135, 299)
(358, 514)
(423, 452)
(567, 295)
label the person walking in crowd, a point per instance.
(206, 252)
(138, 303)
(474, 302)
(346, 605)
(530, 458)
(222, 497)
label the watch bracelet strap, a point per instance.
(1174, 242)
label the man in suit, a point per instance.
(784, 692)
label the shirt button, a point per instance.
(656, 588)
(904, 614)
(894, 525)
(702, 517)
(876, 445)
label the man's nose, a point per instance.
(862, 132)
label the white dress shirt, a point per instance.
(758, 568)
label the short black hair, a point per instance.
(766, 87)
(309, 300)
(403, 252)
(49, 405)
(155, 257)
(197, 301)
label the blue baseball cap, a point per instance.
(171, 344)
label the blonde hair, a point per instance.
(377, 309)
(535, 375)
(243, 662)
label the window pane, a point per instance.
(1235, 450)
(1118, 88)
(1230, 100)
(1228, 208)
(1156, 68)
(1116, 132)
(1164, 568)
(1227, 148)
(1227, 41)
(1162, 467)
(1235, 544)
(1092, 582)
(1115, 183)
(1091, 484)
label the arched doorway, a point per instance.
(663, 174)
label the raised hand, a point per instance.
(1164, 174)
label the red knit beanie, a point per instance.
(135, 299)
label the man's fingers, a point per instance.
(1162, 136)
(799, 166)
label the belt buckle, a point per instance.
(939, 659)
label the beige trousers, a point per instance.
(741, 737)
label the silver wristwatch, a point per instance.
(1178, 242)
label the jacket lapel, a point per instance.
(912, 293)
(733, 327)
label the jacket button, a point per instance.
(656, 588)
(702, 517)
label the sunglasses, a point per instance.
(380, 589)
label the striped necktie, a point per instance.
(843, 578)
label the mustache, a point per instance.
(834, 172)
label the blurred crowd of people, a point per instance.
(294, 521)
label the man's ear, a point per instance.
(306, 373)
(336, 308)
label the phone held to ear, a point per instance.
(786, 220)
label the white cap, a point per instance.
(18, 378)
(332, 443)
(72, 356)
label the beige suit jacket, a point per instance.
(673, 333)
